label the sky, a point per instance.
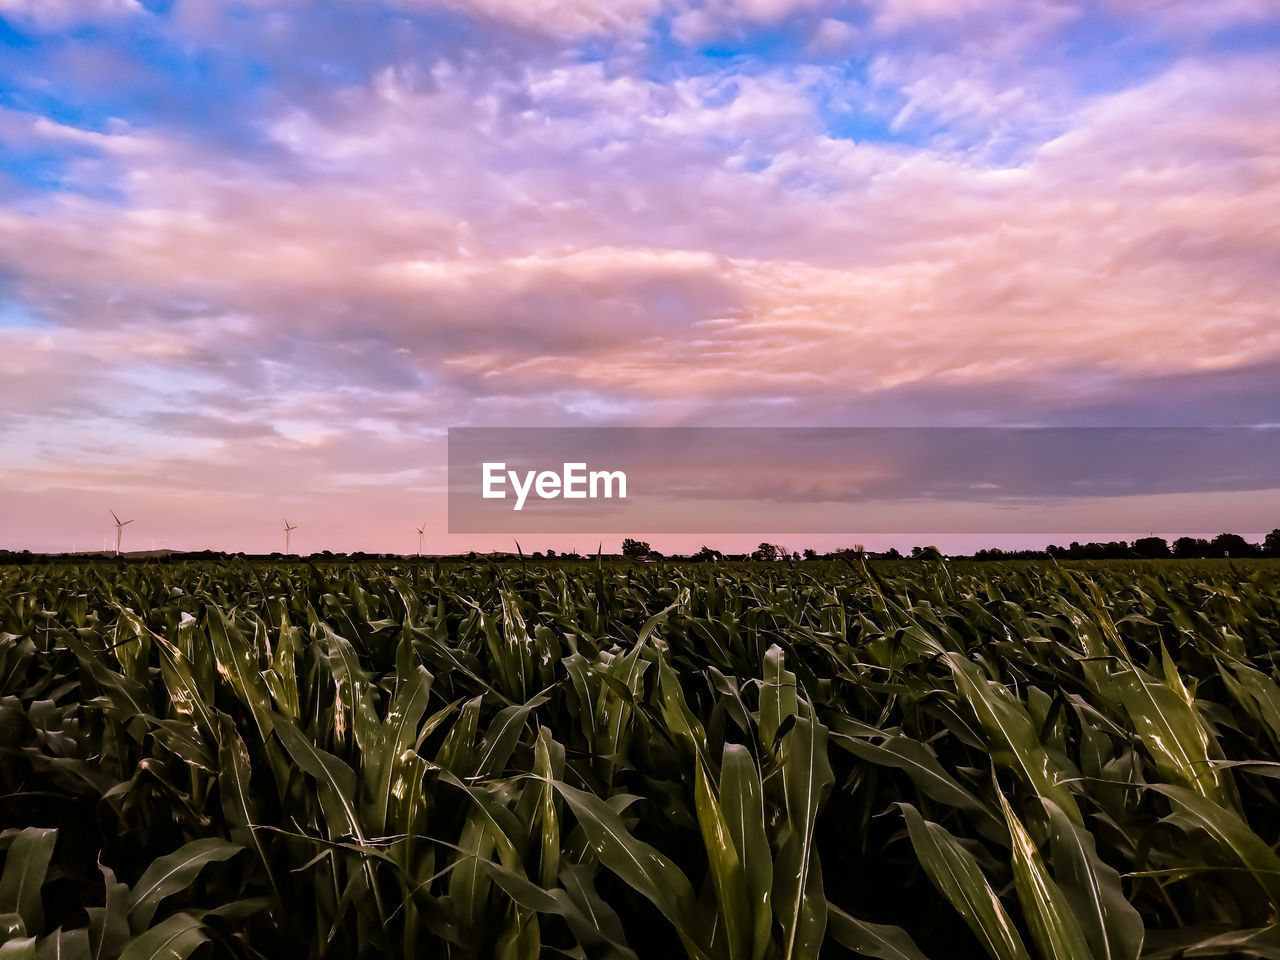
(256, 257)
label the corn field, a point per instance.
(720, 762)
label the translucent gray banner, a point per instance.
(870, 480)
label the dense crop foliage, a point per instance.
(711, 761)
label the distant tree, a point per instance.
(926, 553)
(1151, 547)
(1231, 545)
(856, 552)
(1112, 549)
(550, 554)
(1271, 545)
(634, 548)
(537, 555)
(766, 551)
(810, 553)
(705, 554)
(893, 553)
(1189, 547)
(655, 555)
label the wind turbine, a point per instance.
(288, 530)
(119, 528)
(421, 530)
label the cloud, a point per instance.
(566, 18)
(833, 36)
(893, 15)
(587, 261)
(697, 23)
(1191, 18)
(459, 238)
(53, 14)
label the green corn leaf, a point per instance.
(281, 677)
(500, 740)
(354, 691)
(777, 695)
(957, 876)
(548, 765)
(592, 921)
(180, 681)
(742, 798)
(680, 719)
(1173, 732)
(799, 902)
(1053, 924)
(521, 938)
(336, 782)
(396, 736)
(922, 766)
(589, 918)
(237, 663)
(175, 938)
(469, 883)
(172, 873)
(578, 882)
(726, 866)
(109, 924)
(1013, 735)
(636, 863)
(1186, 944)
(64, 945)
(586, 687)
(20, 948)
(235, 788)
(1257, 694)
(25, 866)
(1237, 842)
(129, 697)
(1112, 926)
(11, 926)
(458, 750)
(625, 675)
(881, 941)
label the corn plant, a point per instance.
(721, 762)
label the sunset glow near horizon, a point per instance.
(256, 257)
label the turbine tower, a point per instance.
(120, 525)
(421, 530)
(288, 530)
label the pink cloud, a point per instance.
(834, 36)
(1065, 259)
(564, 19)
(570, 243)
(50, 14)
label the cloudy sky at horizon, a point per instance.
(257, 255)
